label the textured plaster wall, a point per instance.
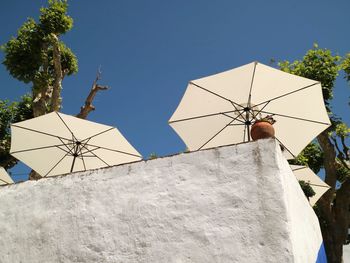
(231, 204)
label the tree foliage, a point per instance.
(317, 64)
(330, 151)
(32, 56)
(311, 156)
(307, 189)
(54, 19)
(37, 56)
(10, 113)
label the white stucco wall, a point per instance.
(230, 204)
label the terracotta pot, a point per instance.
(262, 130)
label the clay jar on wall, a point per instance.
(262, 130)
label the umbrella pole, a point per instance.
(75, 155)
(71, 169)
(247, 124)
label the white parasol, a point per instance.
(4, 177)
(57, 143)
(220, 109)
(303, 173)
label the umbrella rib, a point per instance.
(39, 148)
(211, 92)
(235, 118)
(100, 159)
(239, 111)
(84, 145)
(216, 134)
(296, 118)
(4, 181)
(48, 134)
(254, 116)
(93, 154)
(251, 85)
(65, 144)
(66, 151)
(82, 158)
(87, 150)
(65, 124)
(204, 116)
(319, 185)
(285, 147)
(56, 164)
(300, 168)
(286, 94)
(111, 128)
(113, 150)
(91, 151)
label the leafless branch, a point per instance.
(88, 107)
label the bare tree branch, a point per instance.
(88, 107)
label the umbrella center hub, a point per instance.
(247, 113)
(246, 109)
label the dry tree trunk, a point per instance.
(334, 205)
(57, 84)
(88, 107)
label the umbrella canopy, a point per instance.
(56, 143)
(303, 173)
(4, 177)
(220, 109)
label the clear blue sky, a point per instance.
(149, 50)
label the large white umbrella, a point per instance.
(220, 109)
(4, 177)
(57, 143)
(303, 173)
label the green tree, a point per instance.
(38, 56)
(330, 150)
(9, 113)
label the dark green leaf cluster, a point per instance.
(10, 113)
(307, 189)
(346, 66)
(28, 57)
(342, 173)
(311, 156)
(318, 64)
(54, 19)
(68, 60)
(14, 112)
(23, 54)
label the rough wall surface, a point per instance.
(231, 204)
